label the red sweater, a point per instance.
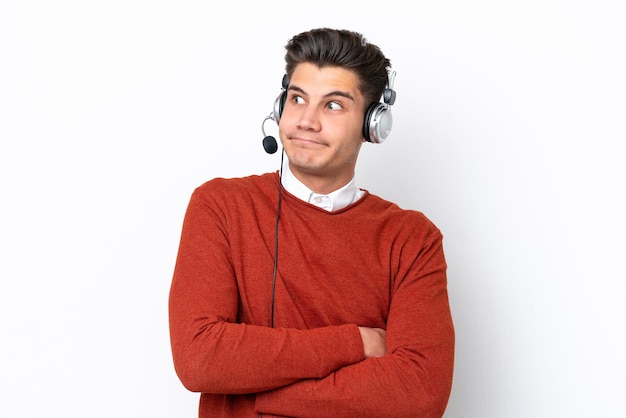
(371, 264)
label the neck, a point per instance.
(322, 184)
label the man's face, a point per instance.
(321, 125)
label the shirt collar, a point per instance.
(336, 200)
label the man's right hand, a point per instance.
(373, 339)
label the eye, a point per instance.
(297, 99)
(334, 106)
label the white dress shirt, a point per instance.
(333, 201)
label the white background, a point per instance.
(508, 134)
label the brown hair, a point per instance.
(341, 48)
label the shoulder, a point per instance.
(237, 194)
(411, 221)
(238, 185)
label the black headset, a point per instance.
(376, 124)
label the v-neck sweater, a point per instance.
(369, 264)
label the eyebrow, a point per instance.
(330, 94)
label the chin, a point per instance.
(309, 165)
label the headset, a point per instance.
(377, 123)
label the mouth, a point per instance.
(305, 141)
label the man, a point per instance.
(297, 294)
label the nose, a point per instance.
(309, 119)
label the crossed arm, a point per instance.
(344, 370)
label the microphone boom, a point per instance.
(269, 142)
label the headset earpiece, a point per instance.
(378, 119)
(279, 104)
(377, 124)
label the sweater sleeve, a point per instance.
(213, 353)
(413, 379)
